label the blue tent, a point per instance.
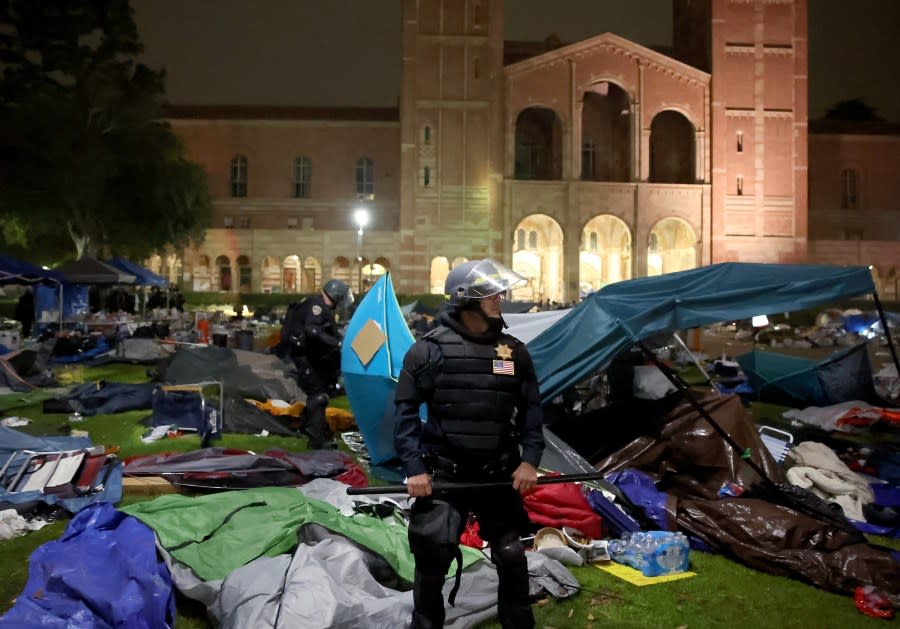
(143, 276)
(621, 314)
(376, 340)
(13, 271)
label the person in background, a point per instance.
(25, 312)
(312, 340)
(484, 424)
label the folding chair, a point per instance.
(777, 442)
(26, 470)
(186, 406)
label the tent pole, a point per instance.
(887, 330)
(697, 363)
(682, 386)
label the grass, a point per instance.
(722, 594)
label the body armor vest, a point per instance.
(475, 393)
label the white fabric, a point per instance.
(527, 326)
(13, 525)
(814, 466)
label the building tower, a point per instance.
(451, 134)
(759, 122)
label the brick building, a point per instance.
(578, 164)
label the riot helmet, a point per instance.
(478, 279)
(339, 293)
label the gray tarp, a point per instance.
(329, 581)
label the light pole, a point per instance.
(361, 217)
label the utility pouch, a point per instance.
(434, 532)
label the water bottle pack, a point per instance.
(654, 553)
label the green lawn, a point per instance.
(722, 594)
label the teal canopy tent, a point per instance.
(622, 314)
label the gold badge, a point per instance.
(504, 351)
(317, 310)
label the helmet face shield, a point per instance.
(480, 279)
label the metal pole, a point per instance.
(359, 236)
(543, 480)
(887, 330)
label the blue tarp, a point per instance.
(620, 314)
(102, 573)
(371, 380)
(143, 277)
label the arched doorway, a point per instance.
(202, 274)
(440, 267)
(270, 277)
(672, 247)
(245, 274)
(605, 255)
(672, 149)
(311, 275)
(290, 275)
(222, 278)
(538, 145)
(538, 255)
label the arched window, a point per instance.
(426, 134)
(426, 176)
(593, 242)
(302, 176)
(365, 176)
(532, 239)
(520, 239)
(239, 176)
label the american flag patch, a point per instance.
(505, 367)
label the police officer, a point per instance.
(484, 424)
(311, 338)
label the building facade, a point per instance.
(578, 164)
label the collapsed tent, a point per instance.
(242, 373)
(794, 381)
(624, 313)
(713, 495)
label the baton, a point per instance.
(543, 480)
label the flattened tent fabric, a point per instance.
(794, 381)
(143, 277)
(92, 271)
(621, 314)
(375, 343)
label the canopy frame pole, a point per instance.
(887, 330)
(682, 386)
(696, 362)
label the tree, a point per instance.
(854, 109)
(84, 148)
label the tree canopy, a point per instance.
(86, 156)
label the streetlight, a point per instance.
(361, 217)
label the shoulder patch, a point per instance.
(317, 310)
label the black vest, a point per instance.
(475, 392)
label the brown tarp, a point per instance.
(690, 461)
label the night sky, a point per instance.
(347, 52)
